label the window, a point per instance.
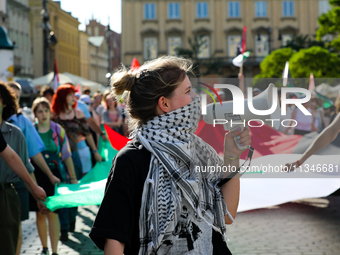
(288, 8)
(261, 46)
(202, 10)
(173, 10)
(324, 6)
(233, 42)
(204, 47)
(327, 38)
(260, 9)
(150, 48)
(285, 39)
(149, 11)
(173, 43)
(234, 9)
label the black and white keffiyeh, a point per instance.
(176, 151)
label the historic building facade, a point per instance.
(65, 27)
(20, 34)
(155, 28)
(98, 59)
(95, 28)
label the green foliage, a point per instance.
(330, 24)
(272, 66)
(316, 60)
(299, 42)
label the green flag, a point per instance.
(90, 189)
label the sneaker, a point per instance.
(45, 251)
(72, 227)
(63, 236)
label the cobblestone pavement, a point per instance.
(306, 227)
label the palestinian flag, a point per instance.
(135, 64)
(241, 47)
(239, 60)
(117, 140)
(326, 101)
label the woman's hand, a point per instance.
(291, 166)
(54, 179)
(74, 180)
(39, 193)
(230, 147)
(98, 157)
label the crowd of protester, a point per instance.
(59, 146)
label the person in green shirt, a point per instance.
(57, 146)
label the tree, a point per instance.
(272, 66)
(330, 24)
(299, 42)
(316, 60)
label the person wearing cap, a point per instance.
(256, 91)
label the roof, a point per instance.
(96, 40)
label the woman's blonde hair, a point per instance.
(337, 104)
(154, 79)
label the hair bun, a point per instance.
(122, 81)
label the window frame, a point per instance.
(169, 45)
(230, 44)
(234, 6)
(174, 6)
(257, 43)
(261, 9)
(145, 47)
(283, 40)
(288, 11)
(208, 51)
(149, 12)
(321, 8)
(202, 10)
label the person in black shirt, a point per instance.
(156, 202)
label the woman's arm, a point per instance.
(70, 169)
(93, 147)
(323, 139)
(231, 189)
(113, 247)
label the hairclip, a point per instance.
(143, 74)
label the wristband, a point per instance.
(231, 158)
(95, 151)
(298, 162)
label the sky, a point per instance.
(101, 10)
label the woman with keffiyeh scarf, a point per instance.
(156, 202)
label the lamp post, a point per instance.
(48, 36)
(45, 19)
(108, 40)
